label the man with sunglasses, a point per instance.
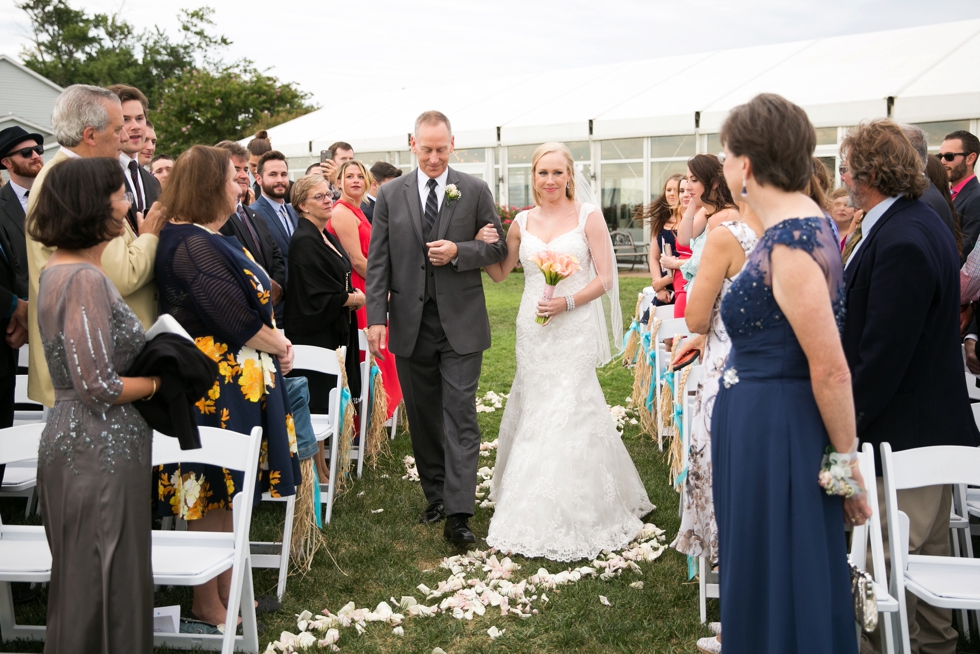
(20, 156)
(958, 153)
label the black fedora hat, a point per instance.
(13, 136)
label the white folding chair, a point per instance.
(669, 328)
(941, 581)
(860, 536)
(325, 426)
(971, 387)
(275, 555)
(363, 402)
(26, 410)
(190, 558)
(664, 312)
(24, 553)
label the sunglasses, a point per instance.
(26, 152)
(949, 156)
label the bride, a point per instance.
(564, 485)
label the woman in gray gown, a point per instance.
(94, 476)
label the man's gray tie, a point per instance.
(287, 223)
(431, 206)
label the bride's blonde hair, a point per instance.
(548, 148)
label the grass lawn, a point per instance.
(384, 555)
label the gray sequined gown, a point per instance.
(94, 478)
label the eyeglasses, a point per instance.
(319, 197)
(26, 152)
(842, 169)
(949, 156)
(130, 198)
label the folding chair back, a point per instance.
(669, 328)
(318, 359)
(189, 558)
(363, 402)
(944, 582)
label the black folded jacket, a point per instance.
(186, 374)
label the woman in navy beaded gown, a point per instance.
(785, 396)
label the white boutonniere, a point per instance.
(452, 193)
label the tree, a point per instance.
(206, 106)
(194, 96)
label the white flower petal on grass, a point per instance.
(305, 640)
(438, 650)
(495, 633)
(361, 494)
(604, 600)
(398, 631)
(378, 511)
(637, 584)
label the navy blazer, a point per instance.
(264, 208)
(902, 334)
(967, 205)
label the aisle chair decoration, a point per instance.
(346, 435)
(666, 408)
(377, 442)
(631, 341)
(676, 456)
(643, 381)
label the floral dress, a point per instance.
(217, 292)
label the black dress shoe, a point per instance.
(434, 513)
(457, 531)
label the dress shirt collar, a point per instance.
(70, 153)
(440, 186)
(870, 220)
(20, 192)
(959, 187)
(124, 160)
(370, 197)
(276, 204)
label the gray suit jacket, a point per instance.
(396, 263)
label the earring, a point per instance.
(568, 185)
(745, 191)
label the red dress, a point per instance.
(680, 284)
(389, 375)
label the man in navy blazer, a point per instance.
(273, 205)
(902, 337)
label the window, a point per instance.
(826, 136)
(472, 155)
(668, 156)
(371, 158)
(936, 132)
(621, 149)
(622, 192)
(714, 144)
(405, 161)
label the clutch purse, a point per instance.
(865, 603)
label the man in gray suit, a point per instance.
(424, 277)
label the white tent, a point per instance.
(923, 74)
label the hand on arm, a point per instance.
(442, 252)
(269, 340)
(499, 271)
(154, 221)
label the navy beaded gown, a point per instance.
(782, 556)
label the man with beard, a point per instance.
(272, 174)
(20, 156)
(959, 152)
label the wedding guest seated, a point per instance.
(349, 224)
(321, 301)
(94, 472)
(221, 297)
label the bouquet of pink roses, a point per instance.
(555, 267)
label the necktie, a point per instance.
(242, 216)
(431, 206)
(852, 242)
(134, 173)
(287, 223)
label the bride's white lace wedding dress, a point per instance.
(564, 485)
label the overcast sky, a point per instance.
(343, 49)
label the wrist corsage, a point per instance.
(835, 474)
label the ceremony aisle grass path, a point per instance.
(384, 555)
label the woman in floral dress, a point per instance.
(217, 292)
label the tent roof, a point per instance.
(839, 81)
